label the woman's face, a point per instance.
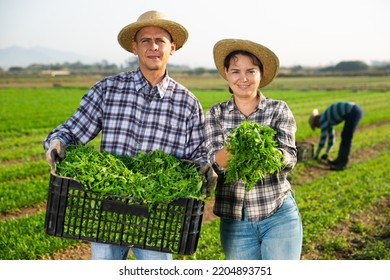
(243, 76)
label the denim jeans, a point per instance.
(100, 251)
(277, 237)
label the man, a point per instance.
(139, 110)
(336, 113)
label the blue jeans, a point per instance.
(100, 251)
(277, 237)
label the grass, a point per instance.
(333, 198)
(24, 239)
(28, 111)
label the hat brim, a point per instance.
(126, 36)
(268, 58)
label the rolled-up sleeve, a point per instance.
(84, 125)
(214, 135)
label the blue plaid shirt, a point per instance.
(133, 116)
(267, 195)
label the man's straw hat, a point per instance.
(312, 117)
(269, 60)
(152, 18)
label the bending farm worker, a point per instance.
(336, 113)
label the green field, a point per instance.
(345, 214)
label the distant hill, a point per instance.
(22, 57)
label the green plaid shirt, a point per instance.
(267, 195)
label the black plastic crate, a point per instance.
(73, 212)
(305, 151)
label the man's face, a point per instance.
(154, 47)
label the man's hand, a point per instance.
(56, 150)
(206, 171)
(211, 178)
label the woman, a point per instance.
(263, 223)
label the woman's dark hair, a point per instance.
(231, 55)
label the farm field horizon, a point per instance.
(345, 214)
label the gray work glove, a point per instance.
(56, 150)
(206, 171)
(211, 178)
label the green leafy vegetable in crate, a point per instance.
(253, 152)
(152, 177)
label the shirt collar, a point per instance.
(262, 102)
(260, 105)
(140, 83)
(231, 104)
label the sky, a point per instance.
(300, 32)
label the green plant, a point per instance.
(253, 154)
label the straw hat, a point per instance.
(269, 60)
(312, 117)
(152, 18)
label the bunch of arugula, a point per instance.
(253, 154)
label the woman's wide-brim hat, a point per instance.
(267, 57)
(312, 117)
(126, 36)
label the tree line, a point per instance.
(106, 68)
